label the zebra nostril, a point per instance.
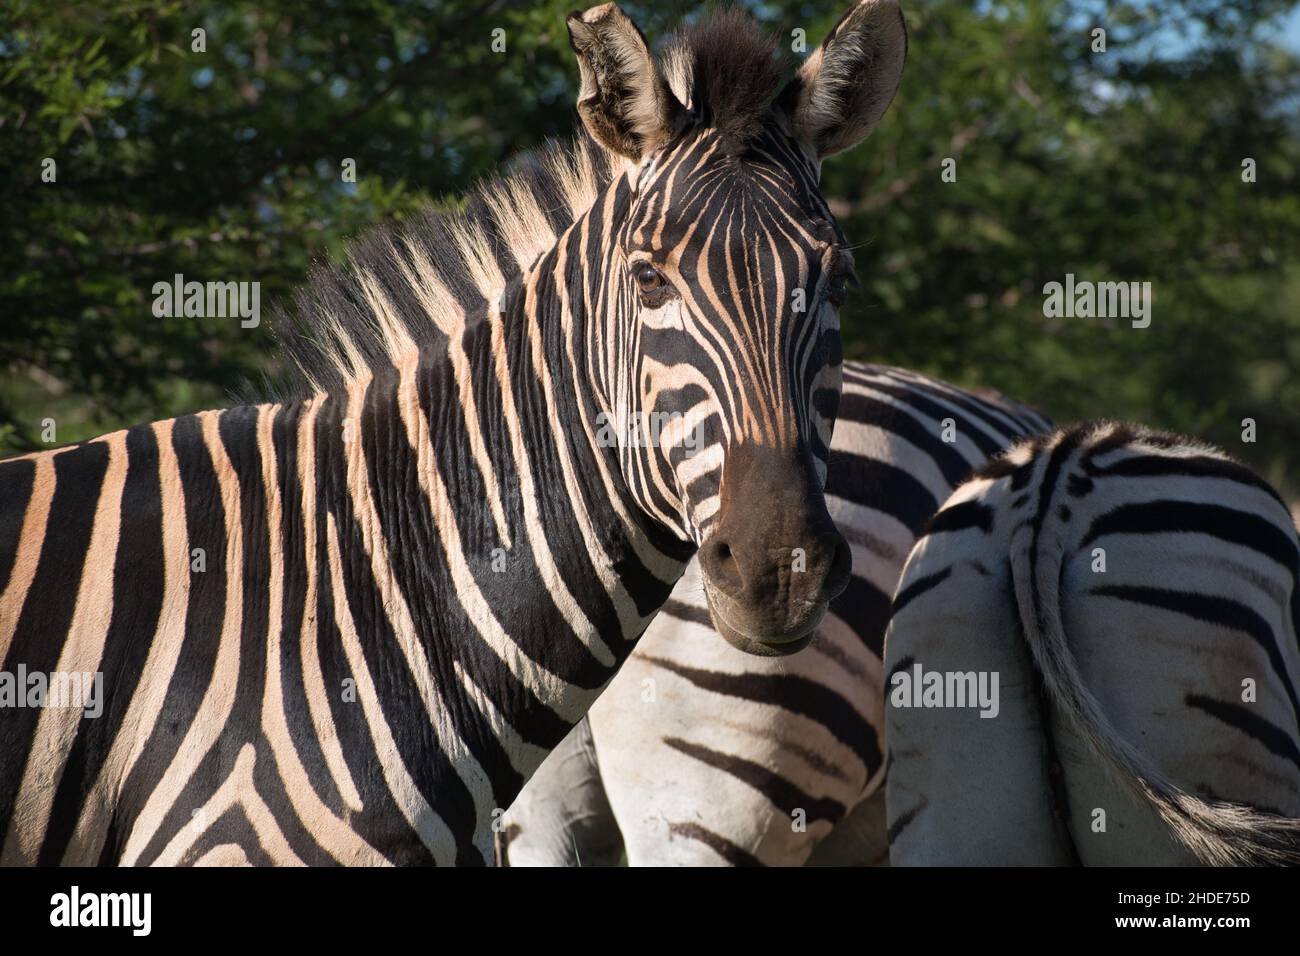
(725, 556)
(841, 568)
(721, 566)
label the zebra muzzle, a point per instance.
(774, 560)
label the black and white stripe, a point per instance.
(345, 626)
(713, 767)
(1148, 705)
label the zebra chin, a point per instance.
(767, 645)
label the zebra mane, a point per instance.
(1103, 435)
(401, 286)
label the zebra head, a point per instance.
(722, 277)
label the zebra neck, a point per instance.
(487, 545)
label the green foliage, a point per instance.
(1122, 165)
(225, 165)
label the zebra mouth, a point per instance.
(763, 645)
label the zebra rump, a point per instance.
(1136, 579)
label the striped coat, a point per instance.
(698, 755)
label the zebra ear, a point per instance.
(624, 101)
(843, 89)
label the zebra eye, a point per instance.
(651, 283)
(649, 278)
(837, 291)
(837, 287)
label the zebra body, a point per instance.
(1137, 595)
(326, 568)
(698, 755)
(346, 626)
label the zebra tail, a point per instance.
(1218, 833)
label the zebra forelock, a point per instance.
(727, 71)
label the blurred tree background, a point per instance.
(225, 165)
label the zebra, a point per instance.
(699, 755)
(1136, 594)
(344, 625)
